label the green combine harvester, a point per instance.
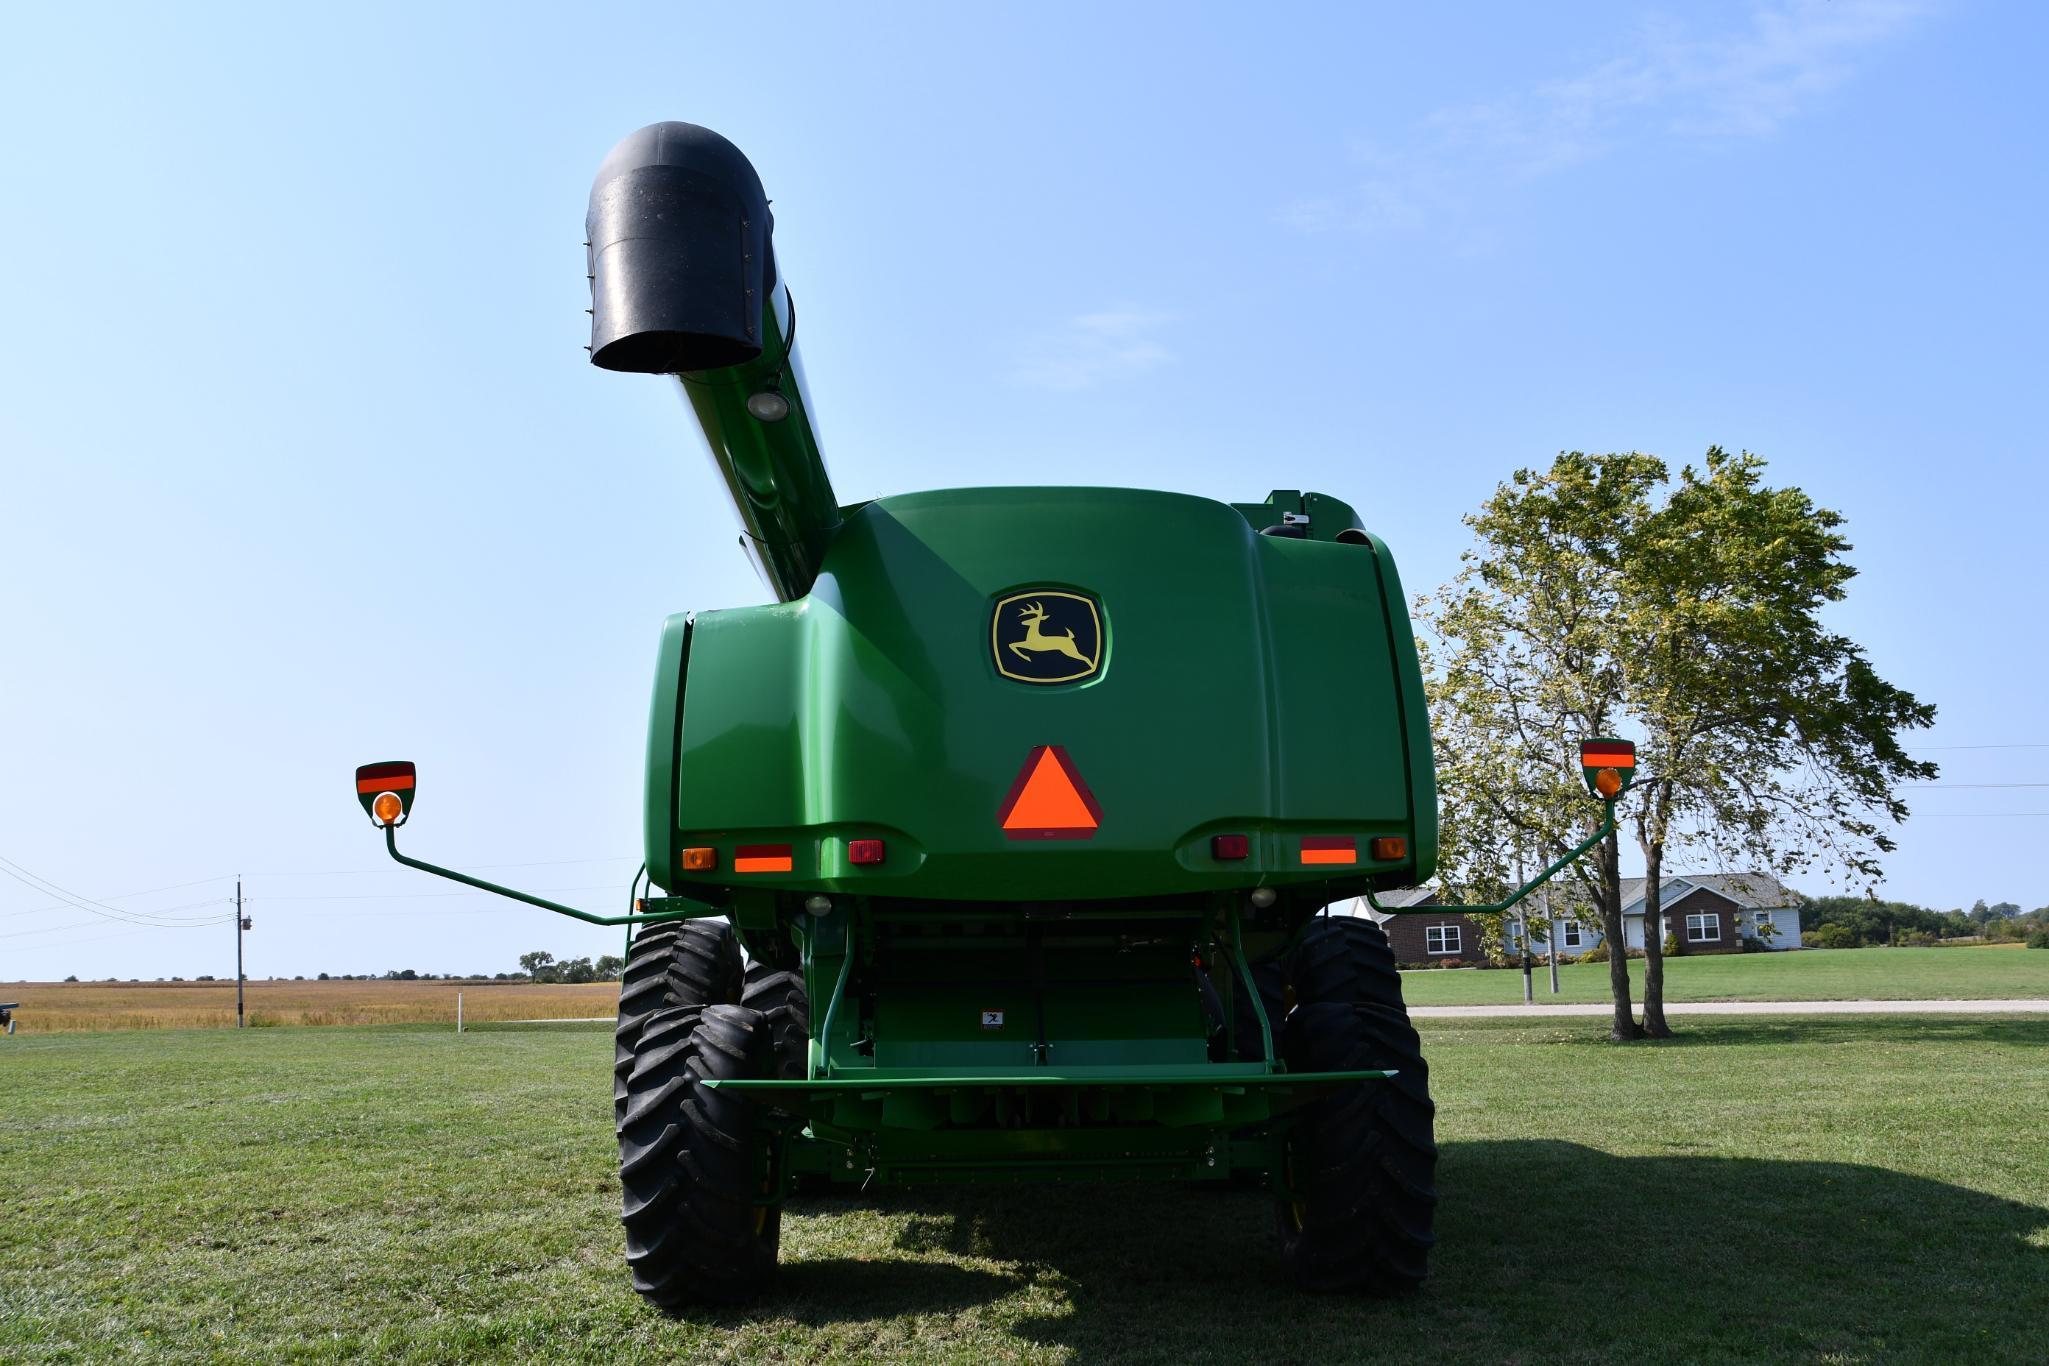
(994, 849)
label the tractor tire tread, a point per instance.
(695, 1231)
(671, 964)
(1363, 1158)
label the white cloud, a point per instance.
(1094, 348)
(1668, 82)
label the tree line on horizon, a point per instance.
(1855, 922)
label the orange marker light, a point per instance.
(1390, 847)
(1329, 849)
(386, 792)
(700, 860)
(761, 858)
(1607, 764)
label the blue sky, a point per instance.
(303, 466)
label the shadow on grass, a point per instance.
(1749, 1031)
(1547, 1250)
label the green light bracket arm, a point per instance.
(387, 790)
(1609, 767)
(1607, 826)
(655, 908)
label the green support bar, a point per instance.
(391, 843)
(823, 1042)
(1246, 984)
(1607, 828)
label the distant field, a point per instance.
(1974, 974)
(1811, 975)
(68, 1007)
(1826, 1190)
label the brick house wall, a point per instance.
(1702, 901)
(1410, 938)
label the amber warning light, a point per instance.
(1608, 765)
(386, 792)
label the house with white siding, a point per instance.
(1702, 912)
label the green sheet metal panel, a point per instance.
(1247, 683)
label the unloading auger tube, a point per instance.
(1002, 845)
(684, 282)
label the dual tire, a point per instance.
(701, 1178)
(1357, 1186)
(699, 1172)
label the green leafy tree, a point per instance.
(1526, 665)
(1769, 740)
(536, 965)
(1593, 604)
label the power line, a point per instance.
(1934, 749)
(410, 896)
(1973, 785)
(183, 924)
(460, 867)
(130, 896)
(42, 884)
(163, 911)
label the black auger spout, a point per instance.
(684, 282)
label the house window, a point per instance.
(1441, 938)
(1703, 928)
(1569, 934)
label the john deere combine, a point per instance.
(993, 849)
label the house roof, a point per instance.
(1757, 891)
(1401, 896)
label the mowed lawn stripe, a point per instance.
(1989, 972)
(1793, 1189)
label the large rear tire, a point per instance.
(786, 1010)
(1358, 1181)
(1346, 960)
(677, 963)
(696, 1169)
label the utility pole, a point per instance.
(1523, 921)
(1551, 924)
(241, 924)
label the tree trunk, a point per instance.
(1653, 942)
(1624, 1027)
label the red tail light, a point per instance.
(1229, 848)
(866, 851)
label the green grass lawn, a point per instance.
(1810, 975)
(1849, 1189)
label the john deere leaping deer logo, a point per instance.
(1047, 635)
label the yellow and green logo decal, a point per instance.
(1047, 635)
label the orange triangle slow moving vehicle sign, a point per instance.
(1049, 801)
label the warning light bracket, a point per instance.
(1611, 755)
